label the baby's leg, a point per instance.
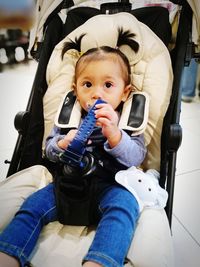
(8, 261)
(90, 264)
(20, 236)
(115, 230)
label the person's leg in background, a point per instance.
(198, 79)
(188, 81)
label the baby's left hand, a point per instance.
(108, 119)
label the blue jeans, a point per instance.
(119, 213)
(188, 79)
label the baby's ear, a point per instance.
(74, 89)
(127, 91)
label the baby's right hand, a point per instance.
(63, 143)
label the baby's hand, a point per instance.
(108, 119)
(63, 143)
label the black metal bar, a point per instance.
(14, 163)
(184, 29)
(171, 185)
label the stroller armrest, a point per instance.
(21, 121)
(175, 137)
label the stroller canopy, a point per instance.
(45, 8)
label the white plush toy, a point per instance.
(144, 186)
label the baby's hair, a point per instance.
(76, 44)
(101, 53)
(125, 37)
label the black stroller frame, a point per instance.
(30, 123)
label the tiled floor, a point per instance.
(15, 85)
(186, 220)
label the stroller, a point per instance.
(29, 171)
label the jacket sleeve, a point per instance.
(130, 151)
(52, 151)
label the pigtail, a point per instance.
(125, 37)
(76, 44)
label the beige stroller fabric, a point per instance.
(147, 75)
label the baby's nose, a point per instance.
(97, 94)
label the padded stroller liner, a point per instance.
(65, 246)
(146, 74)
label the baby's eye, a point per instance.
(87, 84)
(108, 84)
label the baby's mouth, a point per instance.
(88, 106)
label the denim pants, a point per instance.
(119, 213)
(188, 79)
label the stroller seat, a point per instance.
(146, 74)
(151, 72)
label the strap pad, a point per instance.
(134, 115)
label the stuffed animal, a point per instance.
(144, 186)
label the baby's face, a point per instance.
(101, 79)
